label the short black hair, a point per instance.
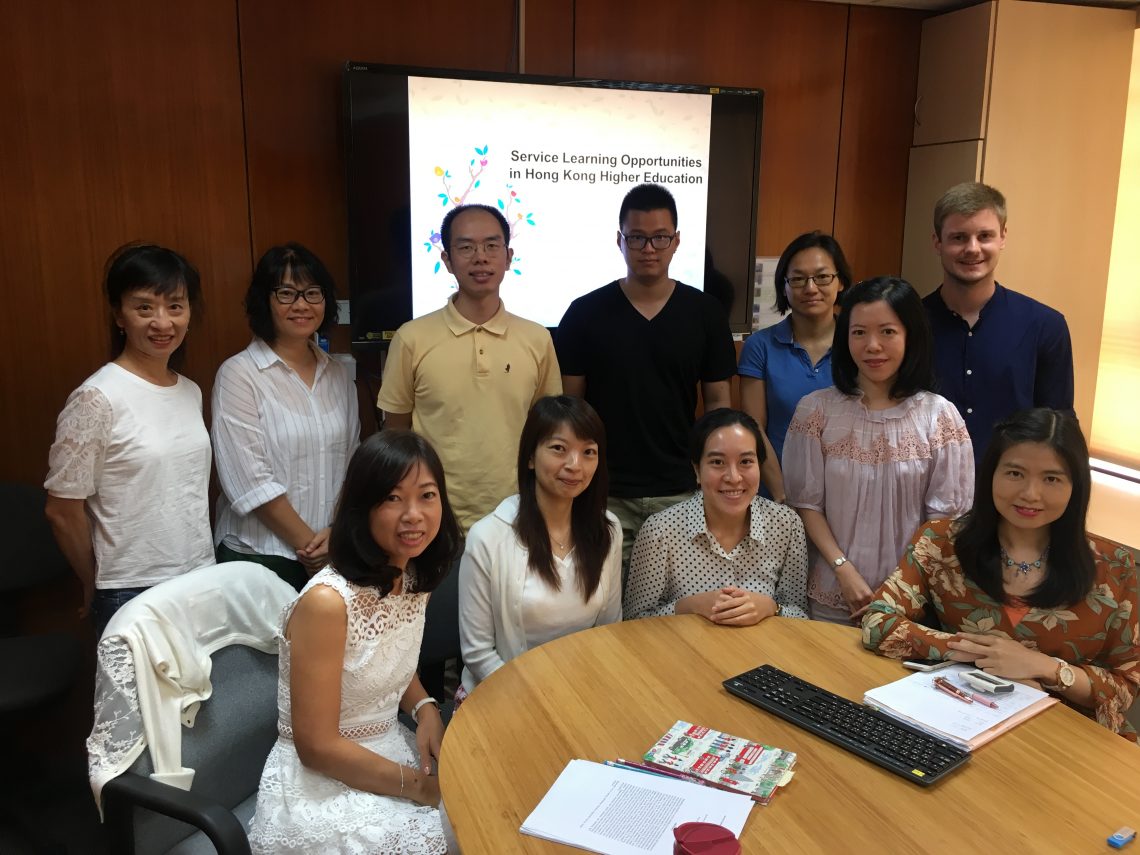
(713, 421)
(648, 197)
(380, 463)
(916, 373)
(1071, 570)
(141, 266)
(449, 219)
(810, 240)
(305, 269)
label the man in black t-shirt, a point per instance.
(636, 349)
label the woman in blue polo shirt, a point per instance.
(781, 364)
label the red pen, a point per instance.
(952, 690)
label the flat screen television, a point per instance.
(556, 156)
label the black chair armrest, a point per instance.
(129, 790)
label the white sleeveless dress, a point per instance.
(301, 810)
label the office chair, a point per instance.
(34, 669)
(186, 710)
(441, 639)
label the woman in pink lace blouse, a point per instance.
(866, 461)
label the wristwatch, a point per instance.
(1066, 676)
(839, 562)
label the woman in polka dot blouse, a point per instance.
(727, 554)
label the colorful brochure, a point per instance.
(722, 760)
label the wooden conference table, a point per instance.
(1058, 783)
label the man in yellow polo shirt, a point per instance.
(465, 376)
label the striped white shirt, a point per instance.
(274, 436)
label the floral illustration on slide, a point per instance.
(509, 203)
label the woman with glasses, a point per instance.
(866, 461)
(130, 467)
(285, 422)
(781, 364)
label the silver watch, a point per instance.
(839, 562)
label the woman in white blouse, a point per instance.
(130, 466)
(546, 562)
(285, 422)
(727, 554)
(868, 460)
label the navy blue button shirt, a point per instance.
(1018, 355)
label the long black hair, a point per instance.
(1071, 570)
(589, 527)
(380, 463)
(916, 373)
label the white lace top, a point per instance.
(301, 810)
(139, 455)
(376, 674)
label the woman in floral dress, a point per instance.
(1017, 586)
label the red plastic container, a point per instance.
(704, 838)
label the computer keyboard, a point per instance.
(873, 735)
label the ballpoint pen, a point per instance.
(950, 689)
(983, 700)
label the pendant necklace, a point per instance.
(1023, 567)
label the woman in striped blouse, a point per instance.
(285, 422)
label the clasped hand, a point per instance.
(1002, 657)
(737, 607)
(315, 554)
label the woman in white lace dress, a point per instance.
(129, 475)
(345, 775)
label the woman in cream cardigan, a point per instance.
(545, 562)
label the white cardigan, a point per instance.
(154, 663)
(492, 573)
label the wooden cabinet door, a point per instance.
(953, 76)
(934, 169)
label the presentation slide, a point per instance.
(557, 161)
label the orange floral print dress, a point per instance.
(1099, 634)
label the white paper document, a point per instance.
(623, 812)
(915, 700)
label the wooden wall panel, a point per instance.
(291, 77)
(874, 140)
(792, 50)
(123, 123)
(548, 37)
(134, 129)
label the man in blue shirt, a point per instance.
(995, 351)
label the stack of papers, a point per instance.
(618, 811)
(915, 701)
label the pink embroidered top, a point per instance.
(875, 475)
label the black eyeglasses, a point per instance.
(821, 280)
(288, 296)
(639, 241)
